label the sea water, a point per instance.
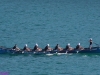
(49, 22)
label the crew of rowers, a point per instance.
(48, 48)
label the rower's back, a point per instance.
(46, 48)
(26, 48)
(35, 47)
(67, 47)
(78, 46)
(14, 47)
(56, 47)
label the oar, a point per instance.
(96, 44)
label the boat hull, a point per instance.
(86, 50)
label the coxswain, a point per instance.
(26, 48)
(47, 48)
(90, 46)
(58, 48)
(36, 48)
(68, 47)
(16, 48)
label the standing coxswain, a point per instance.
(91, 42)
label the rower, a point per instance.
(47, 48)
(36, 48)
(16, 48)
(58, 48)
(79, 47)
(90, 46)
(68, 47)
(26, 48)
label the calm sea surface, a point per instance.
(49, 22)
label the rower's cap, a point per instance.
(47, 44)
(78, 43)
(90, 38)
(36, 44)
(68, 43)
(26, 45)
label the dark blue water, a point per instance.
(49, 22)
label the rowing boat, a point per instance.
(4, 50)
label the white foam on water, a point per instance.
(61, 53)
(49, 54)
(85, 56)
(22, 52)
